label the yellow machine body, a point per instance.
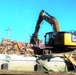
(66, 39)
(69, 39)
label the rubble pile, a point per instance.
(14, 47)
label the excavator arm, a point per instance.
(48, 18)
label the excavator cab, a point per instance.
(50, 38)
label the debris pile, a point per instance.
(14, 47)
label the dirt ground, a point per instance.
(4, 72)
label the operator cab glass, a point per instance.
(49, 38)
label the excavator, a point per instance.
(57, 39)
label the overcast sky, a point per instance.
(21, 17)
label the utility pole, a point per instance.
(8, 30)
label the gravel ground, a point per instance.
(2, 72)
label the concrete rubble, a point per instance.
(18, 51)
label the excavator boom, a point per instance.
(48, 18)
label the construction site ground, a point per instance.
(7, 72)
(14, 47)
